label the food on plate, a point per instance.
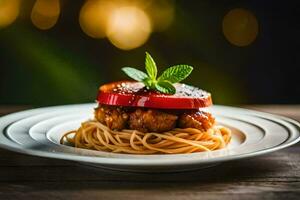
(151, 115)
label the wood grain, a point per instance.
(272, 176)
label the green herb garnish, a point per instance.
(163, 83)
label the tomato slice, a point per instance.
(134, 94)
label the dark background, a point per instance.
(64, 65)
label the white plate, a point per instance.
(37, 132)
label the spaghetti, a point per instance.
(94, 135)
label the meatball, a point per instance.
(196, 119)
(151, 120)
(113, 117)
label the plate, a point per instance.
(38, 131)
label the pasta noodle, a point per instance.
(94, 135)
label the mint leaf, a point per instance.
(176, 73)
(164, 83)
(150, 66)
(135, 74)
(165, 87)
(148, 82)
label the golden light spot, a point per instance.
(240, 27)
(128, 27)
(9, 11)
(161, 13)
(45, 13)
(94, 16)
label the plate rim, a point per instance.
(141, 162)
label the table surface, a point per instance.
(272, 176)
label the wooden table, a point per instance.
(272, 176)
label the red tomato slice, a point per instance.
(134, 94)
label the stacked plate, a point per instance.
(38, 132)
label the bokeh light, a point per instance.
(93, 17)
(240, 27)
(161, 13)
(45, 13)
(128, 27)
(9, 11)
(127, 23)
